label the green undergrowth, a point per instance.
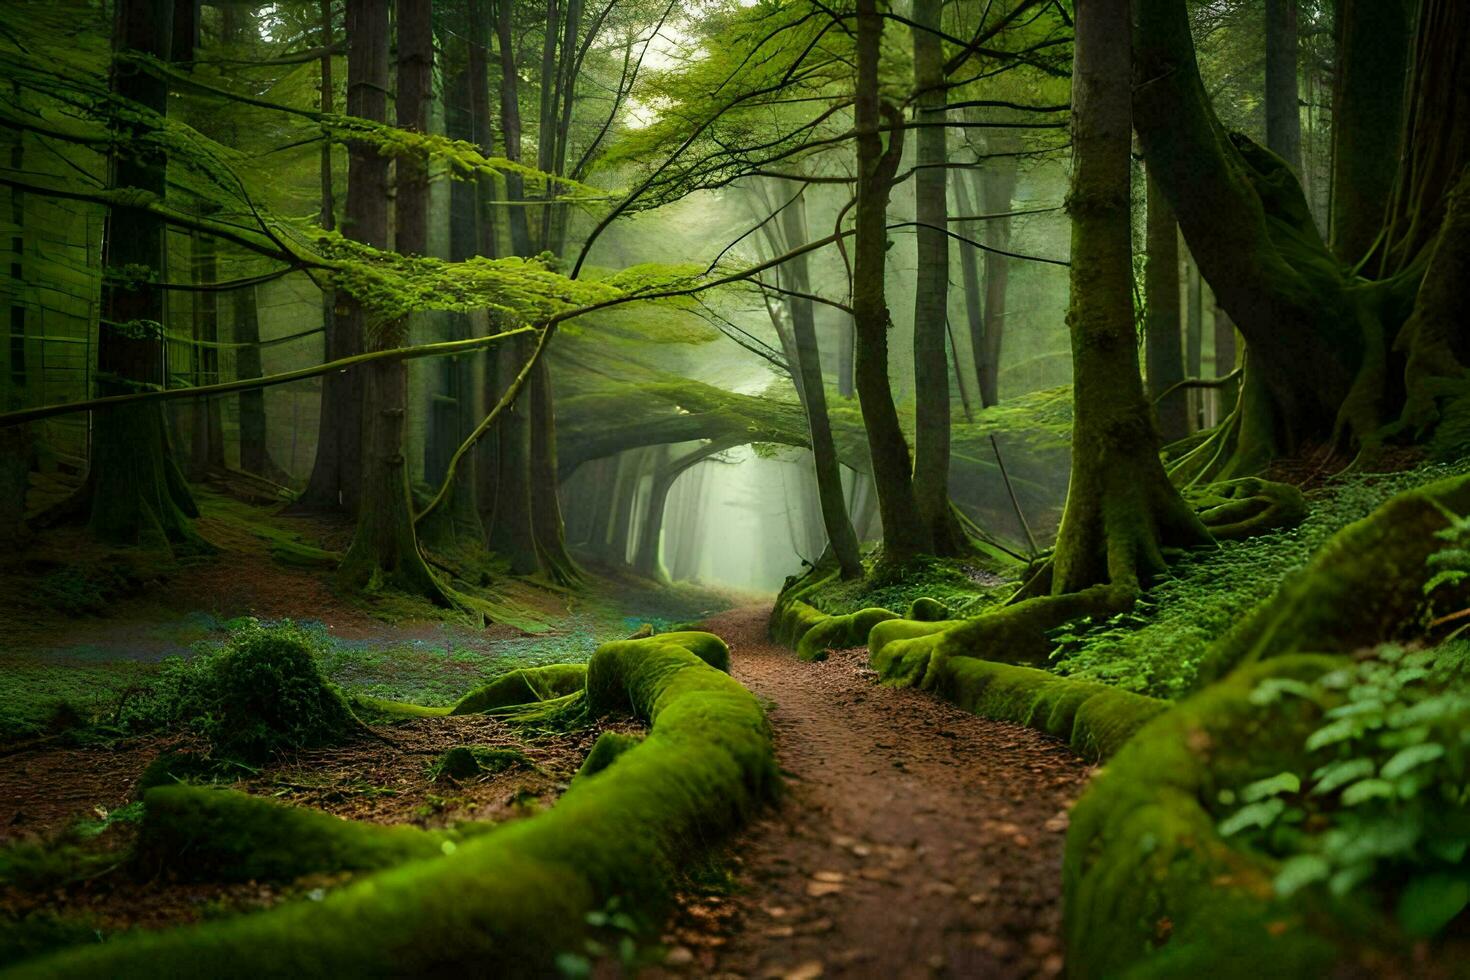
(1306, 811)
(1158, 648)
(963, 586)
(524, 898)
(261, 694)
(470, 761)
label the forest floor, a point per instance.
(913, 840)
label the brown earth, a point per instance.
(914, 840)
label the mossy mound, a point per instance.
(260, 695)
(605, 751)
(927, 610)
(208, 834)
(1152, 889)
(1365, 585)
(525, 686)
(1094, 719)
(469, 761)
(508, 902)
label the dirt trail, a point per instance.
(915, 840)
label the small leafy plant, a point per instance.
(1385, 806)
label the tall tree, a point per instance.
(1283, 104)
(1367, 116)
(905, 534)
(135, 492)
(1165, 358)
(840, 535)
(384, 549)
(931, 289)
(333, 483)
(1121, 509)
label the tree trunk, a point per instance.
(1121, 508)
(1283, 104)
(1225, 358)
(457, 524)
(905, 533)
(255, 455)
(1367, 116)
(931, 290)
(333, 483)
(808, 365)
(135, 491)
(546, 518)
(511, 533)
(510, 127)
(970, 280)
(384, 549)
(1165, 359)
(1194, 341)
(997, 188)
(208, 431)
(648, 557)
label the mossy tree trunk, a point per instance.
(135, 492)
(931, 289)
(1326, 351)
(1367, 116)
(1163, 353)
(812, 386)
(1121, 509)
(207, 436)
(384, 549)
(905, 533)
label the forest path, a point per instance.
(913, 840)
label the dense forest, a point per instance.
(735, 488)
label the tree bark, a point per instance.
(384, 549)
(905, 534)
(931, 290)
(1165, 359)
(135, 492)
(1367, 116)
(835, 520)
(1194, 341)
(333, 484)
(510, 127)
(1283, 104)
(1121, 508)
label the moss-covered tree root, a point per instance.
(941, 656)
(508, 902)
(1150, 888)
(1366, 584)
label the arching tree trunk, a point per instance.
(1121, 508)
(647, 557)
(1165, 360)
(384, 549)
(905, 533)
(1326, 354)
(931, 290)
(135, 492)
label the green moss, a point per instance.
(840, 632)
(605, 751)
(510, 901)
(36, 933)
(1363, 586)
(525, 686)
(1150, 887)
(261, 694)
(208, 834)
(468, 761)
(927, 610)
(1093, 718)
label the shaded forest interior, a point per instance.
(461, 459)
